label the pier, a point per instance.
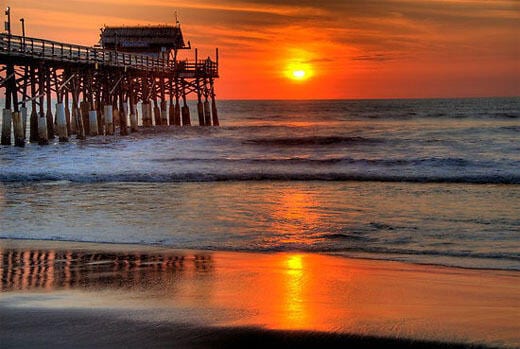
(55, 89)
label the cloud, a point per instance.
(454, 35)
(376, 57)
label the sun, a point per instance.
(298, 74)
(298, 71)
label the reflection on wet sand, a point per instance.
(280, 291)
(24, 270)
(296, 312)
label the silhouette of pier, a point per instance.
(99, 90)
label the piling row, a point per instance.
(85, 112)
(68, 93)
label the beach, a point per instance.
(256, 174)
(366, 223)
(108, 295)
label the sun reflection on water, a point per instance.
(295, 218)
(296, 312)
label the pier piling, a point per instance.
(43, 137)
(123, 116)
(200, 112)
(93, 123)
(97, 88)
(157, 114)
(171, 114)
(33, 126)
(164, 113)
(186, 120)
(108, 111)
(23, 113)
(61, 121)
(6, 127)
(19, 137)
(177, 114)
(207, 113)
(133, 118)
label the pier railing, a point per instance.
(58, 52)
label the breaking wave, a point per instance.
(257, 176)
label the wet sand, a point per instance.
(101, 295)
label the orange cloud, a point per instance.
(358, 48)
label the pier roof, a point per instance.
(143, 39)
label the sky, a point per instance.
(302, 49)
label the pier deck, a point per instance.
(28, 50)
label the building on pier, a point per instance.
(156, 41)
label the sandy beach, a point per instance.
(91, 295)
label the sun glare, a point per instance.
(298, 74)
(298, 71)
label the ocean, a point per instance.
(432, 181)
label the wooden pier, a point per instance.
(98, 89)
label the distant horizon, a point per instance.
(358, 99)
(192, 99)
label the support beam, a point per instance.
(6, 127)
(48, 115)
(19, 138)
(71, 127)
(43, 129)
(200, 108)
(146, 111)
(24, 113)
(123, 115)
(43, 138)
(61, 121)
(76, 115)
(171, 114)
(186, 120)
(214, 110)
(84, 108)
(109, 119)
(33, 125)
(177, 113)
(93, 123)
(133, 117)
(156, 113)
(207, 113)
(33, 133)
(164, 113)
(7, 113)
(200, 112)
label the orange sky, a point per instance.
(352, 48)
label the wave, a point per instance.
(436, 253)
(460, 259)
(510, 128)
(444, 162)
(255, 176)
(313, 140)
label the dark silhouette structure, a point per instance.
(99, 89)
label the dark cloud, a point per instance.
(377, 57)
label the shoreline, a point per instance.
(132, 246)
(225, 298)
(108, 327)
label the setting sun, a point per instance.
(298, 71)
(298, 74)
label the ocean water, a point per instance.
(425, 181)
